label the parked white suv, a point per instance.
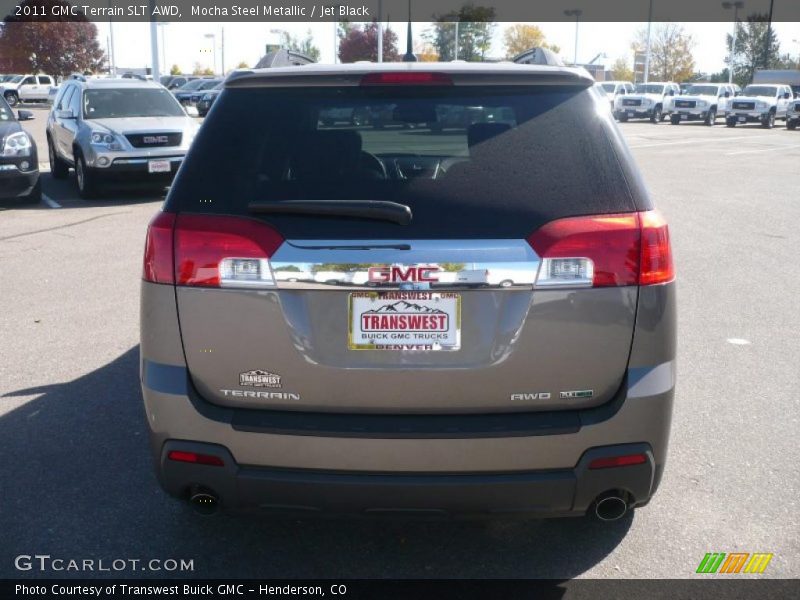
(760, 103)
(614, 89)
(27, 88)
(703, 102)
(648, 101)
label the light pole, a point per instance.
(647, 49)
(213, 38)
(380, 32)
(455, 55)
(735, 6)
(161, 25)
(575, 12)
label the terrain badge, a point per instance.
(259, 378)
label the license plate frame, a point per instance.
(416, 321)
(158, 166)
(631, 114)
(741, 119)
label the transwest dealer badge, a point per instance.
(258, 378)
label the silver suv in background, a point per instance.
(760, 103)
(117, 130)
(703, 102)
(367, 321)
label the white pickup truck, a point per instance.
(793, 114)
(703, 102)
(648, 101)
(27, 88)
(760, 103)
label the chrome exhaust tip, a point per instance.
(204, 502)
(610, 506)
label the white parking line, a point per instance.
(50, 202)
(763, 149)
(695, 140)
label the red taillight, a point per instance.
(158, 266)
(203, 242)
(406, 78)
(656, 266)
(604, 250)
(618, 461)
(611, 242)
(198, 459)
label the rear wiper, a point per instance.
(380, 210)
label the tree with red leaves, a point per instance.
(361, 43)
(56, 47)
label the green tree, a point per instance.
(620, 70)
(475, 28)
(175, 70)
(671, 56)
(303, 46)
(521, 37)
(58, 47)
(202, 70)
(749, 55)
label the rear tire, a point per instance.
(675, 119)
(769, 122)
(58, 168)
(12, 99)
(791, 124)
(711, 117)
(730, 122)
(623, 118)
(85, 179)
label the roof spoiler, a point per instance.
(538, 56)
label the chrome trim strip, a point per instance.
(141, 161)
(405, 264)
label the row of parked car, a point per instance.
(706, 102)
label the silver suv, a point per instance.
(425, 321)
(116, 130)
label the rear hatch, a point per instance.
(402, 264)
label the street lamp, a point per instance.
(161, 25)
(735, 6)
(213, 38)
(575, 12)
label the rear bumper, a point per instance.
(539, 472)
(546, 493)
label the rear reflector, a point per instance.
(603, 251)
(618, 461)
(158, 265)
(212, 251)
(199, 459)
(406, 78)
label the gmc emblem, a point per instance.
(391, 274)
(155, 139)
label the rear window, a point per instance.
(469, 161)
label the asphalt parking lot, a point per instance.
(77, 482)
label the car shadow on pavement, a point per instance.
(78, 484)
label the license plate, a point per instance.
(404, 321)
(630, 114)
(684, 116)
(158, 166)
(742, 119)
